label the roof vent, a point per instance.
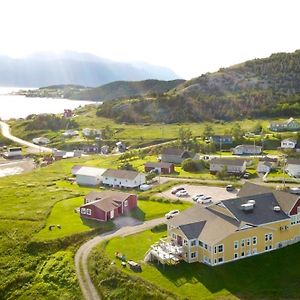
(251, 202)
(247, 206)
(276, 208)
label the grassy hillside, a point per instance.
(268, 87)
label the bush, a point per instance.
(190, 165)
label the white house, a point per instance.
(13, 152)
(123, 178)
(288, 144)
(247, 149)
(89, 176)
(293, 167)
(237, 166)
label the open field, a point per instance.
(251, 278)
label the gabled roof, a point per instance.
(262, 213)
(176, 152)
(290, 140)
(106, 200)
(121, 174)
(228, 161)
(158, 164)
(192, 230)
(248, 146)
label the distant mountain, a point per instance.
(268, 87)
(44, 69)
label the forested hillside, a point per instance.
(268, 87)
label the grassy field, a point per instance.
(251, 278)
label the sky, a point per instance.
(191, 37)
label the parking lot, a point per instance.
(216, 193)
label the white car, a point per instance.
(145, 187)
(172, 213)
(204, 200)
(182, 193)
(196, 197)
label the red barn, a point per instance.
(161, 167)
(107, 205)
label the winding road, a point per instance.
(33, 147)
(81, 258)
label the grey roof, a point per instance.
(150, 164)
(192, 230)
(262, 213)
(268, 159)
(176, 151)
(249, 146)
(228, 161)
(286, 200)
(75, 169)
(106, 200)
(122, 174)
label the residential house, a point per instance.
(121, 147)
(68, 113)
(293, 167)
(87, 132)
(288, 144)
(259, 220)
(89, 176)
(160, 167)
(266, 164)
(13, 152)
(175, 155)
(41, 141)
(107, 205)
(235, 166)
(247, 150)
(290, 125)
(123, 178)
(221, 139)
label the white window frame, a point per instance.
(236, 255)
(221, 245)
(83, 210)
(242, 243)
(125, 203)
(193, 243)
(193, 255)
(236, 245)
(88, 211)
(254, 238)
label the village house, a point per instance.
(175, 155)
(293, 167)
(87, 132)
(88, 176)
(247, 150)
(107, 205)
(123, 178)
(68, 113)
(160, 167)
(288, 144)
(266, 164)
(221, 139)
(121, 147)
(259, 220)
(235, 166)
(290, 125)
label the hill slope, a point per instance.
(46, 69)
(256, 88)
(123, 89)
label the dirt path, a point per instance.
(6, 133)
(81, 258)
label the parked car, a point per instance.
(204, 200)
(145, 187)
(171, 214)
(177, 189)
(229, 188)
(182, 193)
(197, 196)
(246, 175)
(295, 190)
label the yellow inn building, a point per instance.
(258, 220)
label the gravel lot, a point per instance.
(13, 167)
(217, 193)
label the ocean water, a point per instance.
(13, 106)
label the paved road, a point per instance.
(6, 133)
(81, 258)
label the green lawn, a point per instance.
(63, 214)
(148, 210)
(252, 278)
